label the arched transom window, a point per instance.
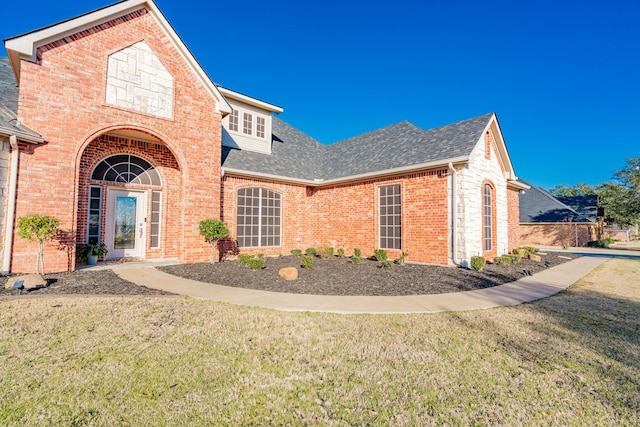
(126, 169)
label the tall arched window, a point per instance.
(487, 214)
(126, 169)
(259, 217)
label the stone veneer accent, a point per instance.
(137, 80)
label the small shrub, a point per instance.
(213, 230)
(324, 251)
(296, 252)
(601, 243)
(357, 255)
(341, 253)
(516, 251)
(382, 257)
(307, 262)
(477, 263)
(244, 259)
(526, 250)
(515, 258)
(503, 260)
(310, 252)
(256, 262)
(403, 256)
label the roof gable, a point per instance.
(25, 46)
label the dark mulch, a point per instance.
(338, 276)
(333, 276)
(85, 282)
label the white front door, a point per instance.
(125, 224)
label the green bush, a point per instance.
(503, 260)
(357, 255)
(477, 263)
(526, 250)
(515, 258)
(324, 251)
(310, 252)
(382, 257)
(296, 252)
(254, 262)
(601, 243)
(341, 253)
(516, 251)
(402, 258)
(307, 261)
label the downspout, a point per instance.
(454, 214)
(11, 207)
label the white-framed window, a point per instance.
(487, 215)
(156, 210)
(260, 126)
(233, 121)
(247, 124)
(390, 216)
(94, 215)
(259, 217)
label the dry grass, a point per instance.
(573, 359)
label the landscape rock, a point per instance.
(31, 281)
(288, 273)
(534, 257)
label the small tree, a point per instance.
(39, 228)
(213, 230)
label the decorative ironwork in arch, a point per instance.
(126, 169)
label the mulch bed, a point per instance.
(85, 282)
(332, 276)
(339, 276)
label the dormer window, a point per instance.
(233, 121)
(247, 124)
(260, 126)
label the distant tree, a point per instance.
(580, 189)
(620, 196)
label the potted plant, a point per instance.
(90, 252)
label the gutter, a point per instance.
(454, 214)
(11, 208)
(319, 182)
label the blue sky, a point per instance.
(563, 75)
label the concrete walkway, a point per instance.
(541, 285)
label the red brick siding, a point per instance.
(559, 234)
(63, 98)
(513, 215)
(346, 216)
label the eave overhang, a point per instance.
(237, 96)
(319, 182)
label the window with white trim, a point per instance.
(487, 213)
(247, 124)
(233, 120)
(390, 217)
(260, 126)
(259, 217)
(94, 215)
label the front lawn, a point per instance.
(573, 359)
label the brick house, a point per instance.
(110, 124)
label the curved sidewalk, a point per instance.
(543, 284)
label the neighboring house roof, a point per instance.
(397, 147)
(540, 206)
(586, 206)
(9, 124)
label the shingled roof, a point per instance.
(298, 156)
(9, 123)
(539, 206)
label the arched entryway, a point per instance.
(125, 196)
